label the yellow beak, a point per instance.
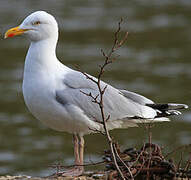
(14, 32)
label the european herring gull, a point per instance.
(52, 91)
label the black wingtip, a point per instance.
(169, 106)
(164, 110)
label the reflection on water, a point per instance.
(154, 62)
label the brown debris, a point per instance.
(147, 163)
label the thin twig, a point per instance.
(128, 168)
(108, 60)
(180, 162)
(137, 159)
(98, 131)
(58, 166)
(143, 163)
(177, 149)
(150, 149)
(188, 163)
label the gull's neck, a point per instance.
(42, 52)
(41, 56)
(41, 61)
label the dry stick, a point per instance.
(180, 162)
(58, 166)
(187, 166)
(150, 134)
(188, 163)
(150, 155)
(143, 163)
(129, 170)
(108, 60)
(177, 149)
(137, 159)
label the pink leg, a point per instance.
(81, 148)
(78, 154)
(76, 149)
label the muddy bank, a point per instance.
(84, 177)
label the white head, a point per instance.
(37, 26)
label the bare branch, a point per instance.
(97, 131)
(108, 117)
(183, 147)
(123, 40)
(108, 60)
(128, 168)
(94, 99)
(59, 166)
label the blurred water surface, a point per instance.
(155, 62)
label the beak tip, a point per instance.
(13, 32)
(6, 35)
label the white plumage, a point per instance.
(52, 90)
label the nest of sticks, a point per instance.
(145, 163)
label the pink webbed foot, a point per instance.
(78, 153)
(76, 171)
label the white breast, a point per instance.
(41, 78)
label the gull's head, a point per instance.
(37, 26)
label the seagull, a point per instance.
(53, 92)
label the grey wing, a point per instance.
(163, 110)
(116, 104)
(136, 97)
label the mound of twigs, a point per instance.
(146, 163)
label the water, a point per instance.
(155, 62)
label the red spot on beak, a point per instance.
(11, 35)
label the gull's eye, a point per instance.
(36, 23)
